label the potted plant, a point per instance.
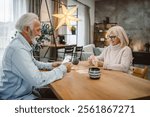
(73, 30)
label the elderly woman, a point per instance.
(117, 56)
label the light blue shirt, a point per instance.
(20, 71)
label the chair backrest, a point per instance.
(36, 54)
(140, 72)
(68, 51)
(78, 51)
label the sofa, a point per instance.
(89, 50)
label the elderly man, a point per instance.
(20, 70)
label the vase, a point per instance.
(75, 60)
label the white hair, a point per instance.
(120, 33)
(26, 20)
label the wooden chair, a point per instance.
(36, 54)
(78, 51)
(140, 72)
(68, 51)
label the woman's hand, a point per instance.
(93, 60)
(90, 59)
(100, 63)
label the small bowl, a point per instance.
(94, 72)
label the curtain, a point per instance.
(10, 11)
(87, 26)
(83, 25)
(56, 10)
(34, 6)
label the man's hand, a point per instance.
(56, 64)
(68, 66)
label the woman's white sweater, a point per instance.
(116, 58)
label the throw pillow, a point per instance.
(89, 48)
(96, 51)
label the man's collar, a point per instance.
(24, 41)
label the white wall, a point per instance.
(91, 4)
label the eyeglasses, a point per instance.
(112, 37)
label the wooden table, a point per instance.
(112, 85)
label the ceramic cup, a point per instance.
(94, 72)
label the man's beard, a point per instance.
(33, 38)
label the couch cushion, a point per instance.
(85, 55)
(89, 48)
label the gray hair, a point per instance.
(120, 33)
(26, 20)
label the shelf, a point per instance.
(100, 30)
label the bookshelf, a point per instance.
(100, 30)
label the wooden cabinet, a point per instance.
(141, 58)
(100, 30)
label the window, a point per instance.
(83, 26)
(6, 10)
(10, 11)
